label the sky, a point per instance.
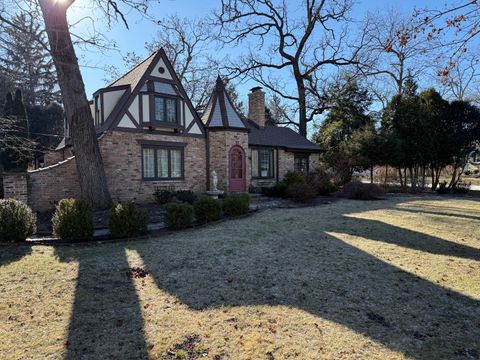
(141, 30)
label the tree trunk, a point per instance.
(371, 174)
(302, 108)
(91, 173)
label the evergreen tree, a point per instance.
(16, 147)
(25, 61)
(345, 129)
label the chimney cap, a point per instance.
(256, 88)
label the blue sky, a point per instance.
(142, 30)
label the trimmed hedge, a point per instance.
(236, 204)
(73, 220)
(178, 215)
(17, 221)
(207, 209)
(127, 220)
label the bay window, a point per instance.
(262, 163)
(162, 163)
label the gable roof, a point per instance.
(220, 111)
(279, 137)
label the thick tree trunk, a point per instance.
(91, 173)
(371, 174)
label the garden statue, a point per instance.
(214, 180)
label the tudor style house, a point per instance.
(150, 136)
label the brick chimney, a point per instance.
(256, 105)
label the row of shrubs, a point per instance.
(180, 215)
(72, 220)
(303, 188)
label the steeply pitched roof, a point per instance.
(220, 112)
(135, 74)
(279, 137)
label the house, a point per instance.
(150, 137)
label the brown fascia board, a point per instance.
(110, 88)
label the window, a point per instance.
(262, 163)
(97, 110)
(301, 163)
(165, 109)
(162, 163)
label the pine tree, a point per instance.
(26, 63)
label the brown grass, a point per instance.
(392, 279)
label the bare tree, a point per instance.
(298, 43)
(392, 54)
(89, 162)
(188, 44)
(462, 81)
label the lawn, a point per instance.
(391, 279)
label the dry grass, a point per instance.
(393, 279)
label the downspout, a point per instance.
(277, 166)
(207, 157)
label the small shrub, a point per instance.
(292, 177)
(442, 188)
(17, 221)
(461, 188)
(360, 191)
(163, 196)
(207, 209)
(127, 220)
(301, 192)
(321, 181)
(187, 196)
(236, 204)
(179, 215)
(278, 190)
(476, 171)
(468, 172)
(73, 220)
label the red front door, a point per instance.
(237, 169)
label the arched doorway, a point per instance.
(237, 173)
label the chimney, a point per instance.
(256, 105)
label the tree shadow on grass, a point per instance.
(106, 320)
(10, 253)
(299, 264)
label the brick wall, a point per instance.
(54, 157)
(220, 143)
(48, 185)
(15, 186)
(122, 158)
